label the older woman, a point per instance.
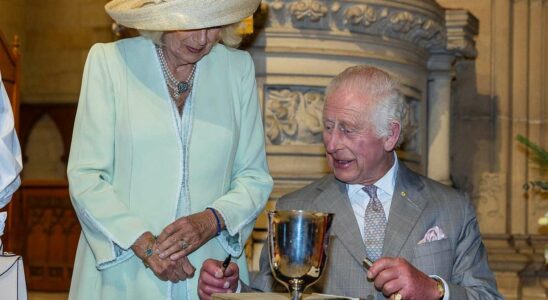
(167, 165)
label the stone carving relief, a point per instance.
(277, 4)
(404, 25)
(418, 27)
(411, 126)
(489, 197)
(293, 115)
(462, 27)
(312, 9)
(363, 15)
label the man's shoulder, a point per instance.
(305, 195)
(436, 189)
(439, 188)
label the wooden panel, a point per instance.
(7, 60)
(50, 235)
(6, 66)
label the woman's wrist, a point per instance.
(216, 221)
(144, 245)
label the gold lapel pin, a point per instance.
(403, 194)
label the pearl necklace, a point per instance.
(177, 88)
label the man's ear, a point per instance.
(392, 139)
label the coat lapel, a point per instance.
(334, 199)
(407, 206)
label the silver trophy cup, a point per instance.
(298, 242)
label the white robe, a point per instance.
(10, 154)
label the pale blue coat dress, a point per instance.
(136, 165)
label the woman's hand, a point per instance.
(165, 269)
(187, 234)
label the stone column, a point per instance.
(461, 27)
(439, 116)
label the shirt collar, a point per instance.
(387, 183)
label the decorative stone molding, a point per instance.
(413, 27)
(308, 9)
(422, 25)
(293, 115)
(461, 29)
(363, 15)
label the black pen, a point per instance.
(225, 263)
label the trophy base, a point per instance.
(274, 296)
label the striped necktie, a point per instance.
(375, 224)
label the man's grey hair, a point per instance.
(382, 89)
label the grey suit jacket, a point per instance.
(418, 204)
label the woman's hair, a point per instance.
(228, 36)
(375, 84)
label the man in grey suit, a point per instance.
(423, 235)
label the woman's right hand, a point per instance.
(188, 233)
(165, 269)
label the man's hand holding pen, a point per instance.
(218, 277)
(397, 279)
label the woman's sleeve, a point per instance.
(109, 226)
(10, 152)
(251, 183)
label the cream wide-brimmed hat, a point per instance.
(166, 15)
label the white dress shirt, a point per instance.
(10, 151)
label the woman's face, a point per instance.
(189, 46)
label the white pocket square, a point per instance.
(433, 234)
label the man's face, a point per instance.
(354, 152)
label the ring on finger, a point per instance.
(184, 244)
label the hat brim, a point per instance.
(160, 15)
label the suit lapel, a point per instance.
(407, 205)
(334, 199)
